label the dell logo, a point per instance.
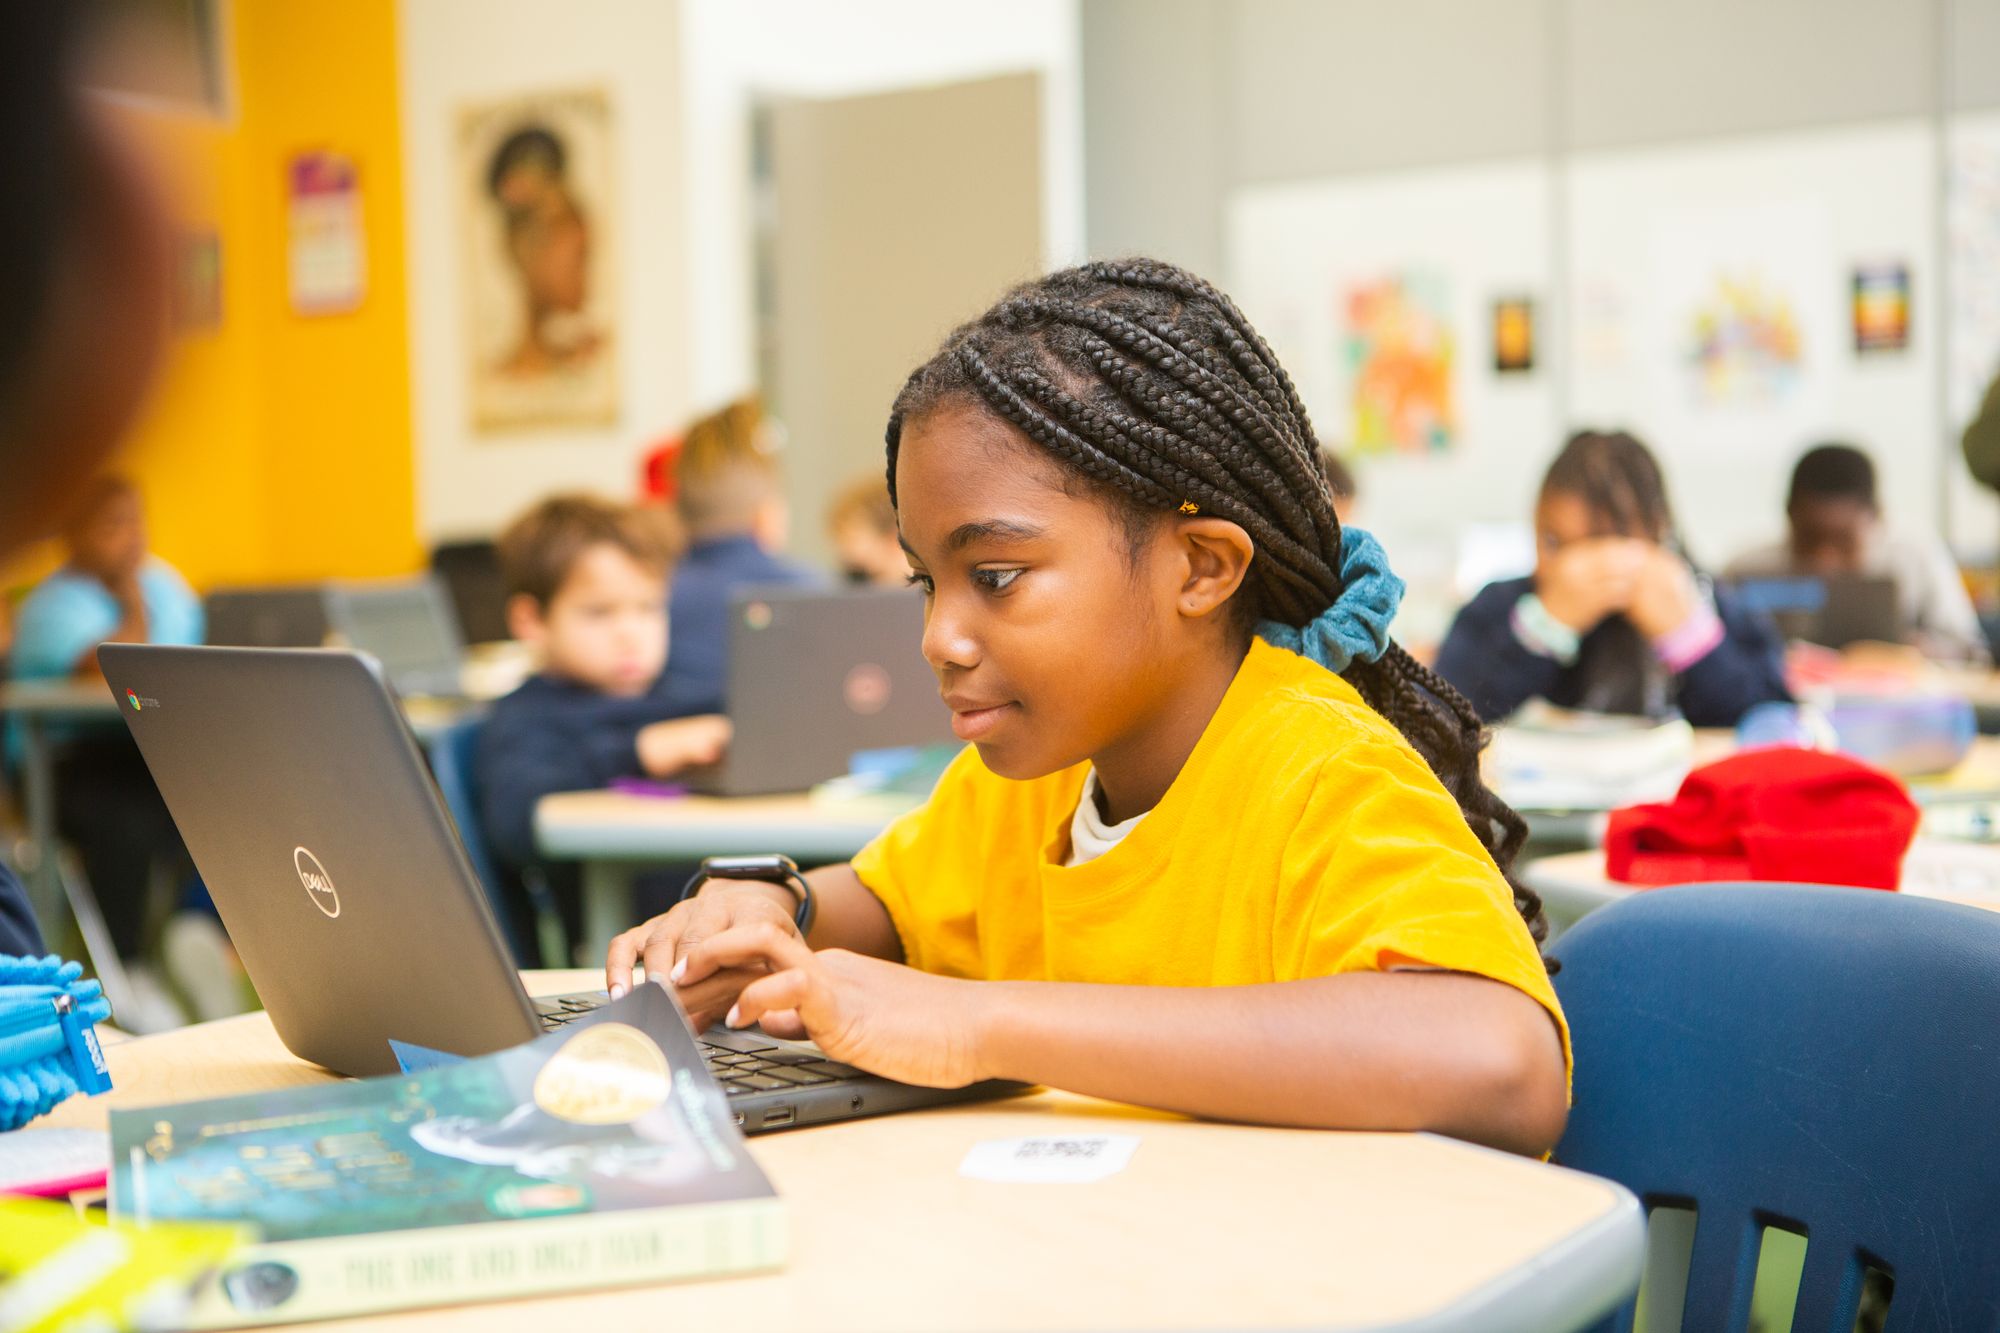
(319, 884)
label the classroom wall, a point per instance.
(736, 51)
(267, 406)
(1356, 97)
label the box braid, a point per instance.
(1150, 388)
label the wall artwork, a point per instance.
(1881, 308)
(1513, 335)
(1399, 349)
(1744, 345)
(537, 204)
(327, 245)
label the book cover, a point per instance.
(599, 1155)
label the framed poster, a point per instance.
(536, 191)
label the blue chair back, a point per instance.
(1811, 1058)
(452, 753)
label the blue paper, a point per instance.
(413, 1059)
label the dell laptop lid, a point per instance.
(312, 817)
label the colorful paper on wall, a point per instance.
(328, 245)
(1881, 308)
(1399, 348)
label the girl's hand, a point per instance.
(663, 945)
(665, 748)
(882, 1017)
(1588, 580)
(1663, 596)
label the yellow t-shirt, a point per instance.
(1304, 837)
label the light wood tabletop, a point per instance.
(1208, 1226)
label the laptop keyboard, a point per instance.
(742, 1062)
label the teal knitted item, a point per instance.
(45, 1056)
(1356, 627)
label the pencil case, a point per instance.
(48, 1037)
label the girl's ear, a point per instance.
(1218, 555)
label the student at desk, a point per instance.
(1835, 529)
(1614, 618)
(737, 523)
(1218, 845)
(586, 589)
(109, 589)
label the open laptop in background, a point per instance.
(408, 626)
(1832, 611)
(276, 617)
(816, 677)
(313, 820)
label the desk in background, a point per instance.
(1575, 884)
(615, 835)
(1975, 782)
(1209, 1226)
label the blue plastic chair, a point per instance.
(453, 753)
(1816, 1059)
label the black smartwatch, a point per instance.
(779, 870)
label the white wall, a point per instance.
(735, 51)
(456, 52)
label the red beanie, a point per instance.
(1777, 814)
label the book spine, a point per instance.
(337, 1276)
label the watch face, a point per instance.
(751, 867)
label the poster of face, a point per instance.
(536, 189)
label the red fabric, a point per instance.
(659, 471)
(1777, 814)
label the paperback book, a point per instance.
(599, 1155)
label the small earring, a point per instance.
(1190, 507)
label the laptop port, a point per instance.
(783, 1115)
(737, 1120)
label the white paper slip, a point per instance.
(38, 1158)
(1049, 1161)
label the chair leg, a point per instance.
(97, 947)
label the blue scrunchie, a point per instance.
(1356, 627)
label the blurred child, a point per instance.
(109, 590)
(1836, 529)
(862, 523)
(1614, 619)
(587, 589)
(737, 524)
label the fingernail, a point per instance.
(734, 1019)
(617, 991)
(680, 969)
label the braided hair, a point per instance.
(1151, 390)
(1618, 477)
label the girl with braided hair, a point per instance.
(1614, 619)
(1218, 845)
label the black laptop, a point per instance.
(312, 817)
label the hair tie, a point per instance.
(1356, 627)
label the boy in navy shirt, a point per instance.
(587, 588)
(733, 505)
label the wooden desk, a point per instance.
(1210, 1225)
(1575, 884)
(614, 835)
